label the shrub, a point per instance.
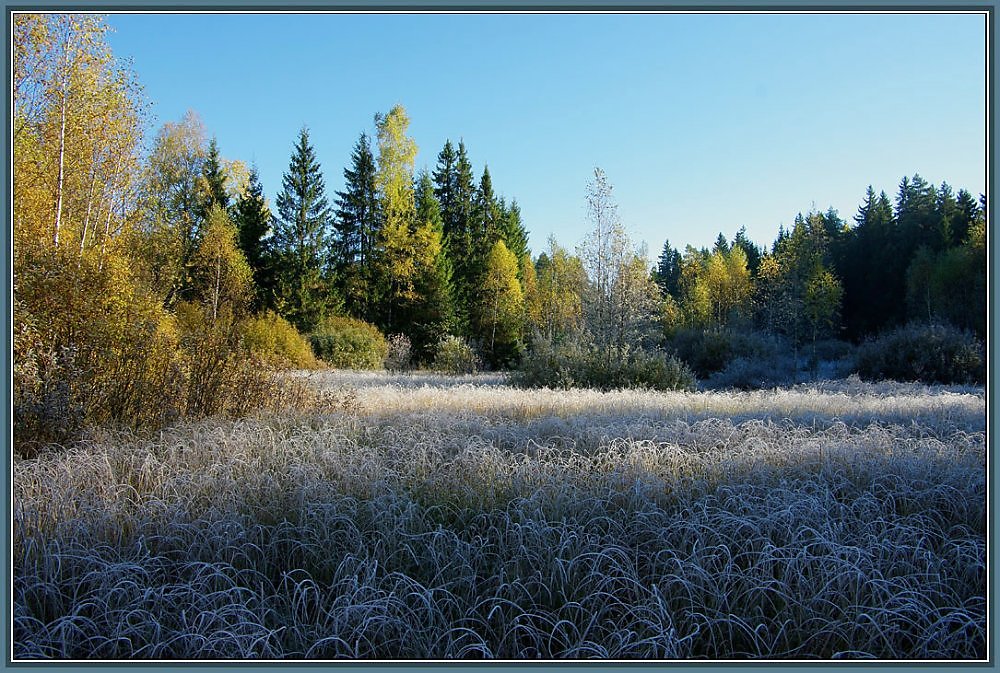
(399, 352)
(349, 343)
(455, 356)
(571, 365)
(711, 351)
(272, 339)
(754, 373)
(928, 353)
(91, 346)
(705, 351)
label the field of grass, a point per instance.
(422, 516)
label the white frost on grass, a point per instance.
(425, 517)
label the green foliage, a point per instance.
(928, 353)
(356, 228)
(212, 185)
(273, 340)
(349, 343)
(253, 219)
(708, 351)
(455, 356)
(949, 285)
(301, 238)
(571, 364)
(431, 312)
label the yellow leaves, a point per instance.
(501, 290)
(396, 154)
(222, 276)
(77, 130)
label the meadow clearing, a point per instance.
(428, 516)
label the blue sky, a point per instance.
(703, 123)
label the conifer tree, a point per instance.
(445, 186)
(750, 249)
(458, 236)
(512, 230)
(668, 271)
(213, 181)
(253, 218)
(431, 313)
(301, 235)
(356, 230)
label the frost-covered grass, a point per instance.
(419, 516)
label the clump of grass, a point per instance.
(567, 532)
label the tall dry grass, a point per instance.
(418, 517)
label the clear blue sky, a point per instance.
(703, 123)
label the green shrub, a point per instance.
(927, 353)
(571, 365)
(705, 351)
(455, 356)
(270, 338)
(710, 351)
(348, 343)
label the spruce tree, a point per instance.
(445, 186)
(301, 236)
(458, 237)
(431, 314)
(750, 249)
(253, 218)
(213, 182)
(668, 271)
(512, 230)
(968, 211)
(355, 231)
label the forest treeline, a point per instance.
(152, 285)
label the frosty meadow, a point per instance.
(416, 516)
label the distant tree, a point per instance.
(668, 271)
(301, 234)
(750, 249)
(431, 313)
(172, 224)
(821, 303)
(917, 217)
(872, 259)
(562, 283)
(721, 244)
(532, 320)
(399, 258)
(512, 230)
(223, 279)
(212, 185)
(603, 252)
(445, 184)
(253, 219)
(356, 226)
(501, 306)
(458, 235)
